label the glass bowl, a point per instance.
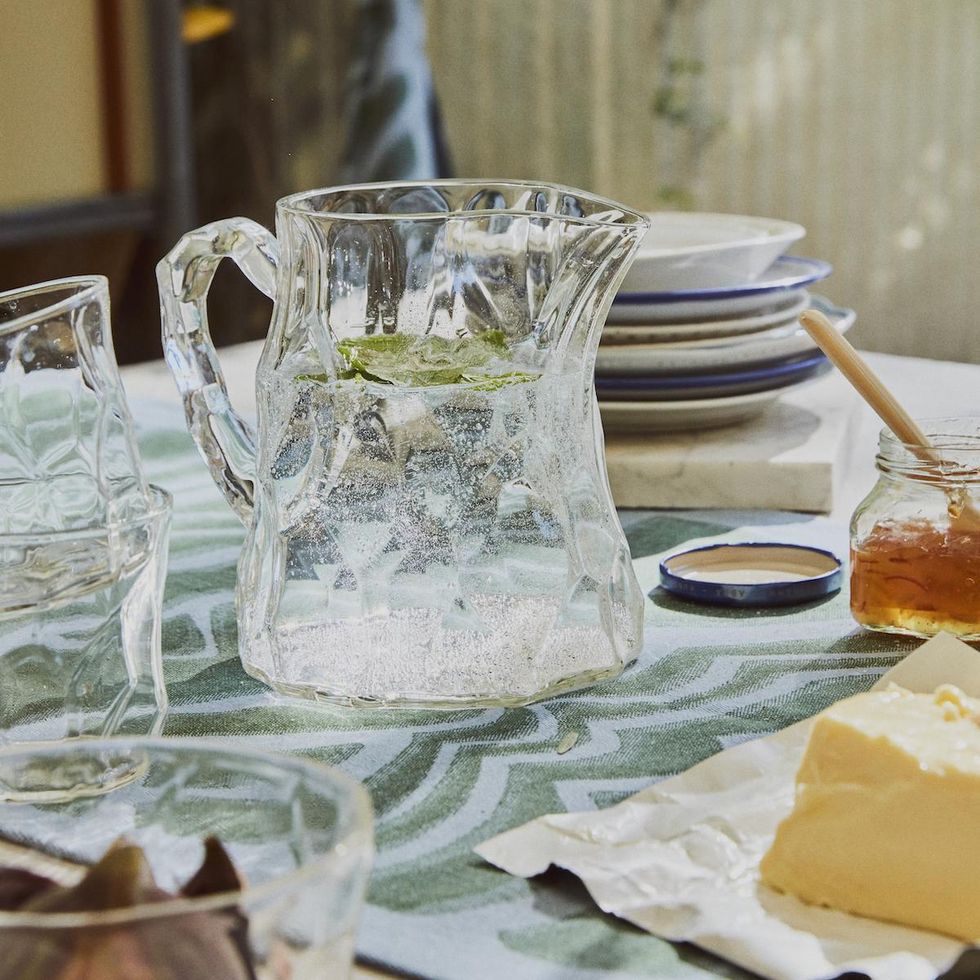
(298, 832)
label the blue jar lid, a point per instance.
(758, 573)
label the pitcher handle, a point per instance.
(184, 277)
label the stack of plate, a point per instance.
(705, 329)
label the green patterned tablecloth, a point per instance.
(442, 782)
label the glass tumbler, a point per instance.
(80, 619)
(83, 537)
(68, 456)
(299, 834)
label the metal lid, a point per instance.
(752, 574)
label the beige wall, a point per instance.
(859, 119)
(50, 112)
(50, 124)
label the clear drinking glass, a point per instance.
(68, 456)
(429, 516)
(299, 834)
(80, 619)
(83, 538)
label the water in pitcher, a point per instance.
(424, 524)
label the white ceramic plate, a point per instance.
(781, 313)
(716, 354)
(786, 274)
(739, 380)
(703, 413)
(692, 414)
(690, 249)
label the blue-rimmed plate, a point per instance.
(778, 314)
(686, 415)
(715, 385)
(779, 343)
(786, 275)
(752, 574)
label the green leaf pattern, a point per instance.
(443, 781)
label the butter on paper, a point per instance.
(680, 859)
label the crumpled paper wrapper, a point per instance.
(680, 859)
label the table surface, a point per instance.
(442, 782)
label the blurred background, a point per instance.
(124, 123)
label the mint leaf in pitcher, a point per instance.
(419, 362)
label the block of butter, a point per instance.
(886, 822)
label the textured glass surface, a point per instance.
(83, 539)
(299, 834)
(429, 516)
(68, 457)
(80, 629)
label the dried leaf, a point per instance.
(121, 879)
(211, 945)
(18, 885)
(217, 873)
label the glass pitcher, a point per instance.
(429, 517)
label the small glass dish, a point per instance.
(299, 834)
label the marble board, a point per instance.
(791, 457)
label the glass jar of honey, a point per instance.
(915, 539)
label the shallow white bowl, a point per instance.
(696, 249)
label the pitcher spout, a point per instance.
(595, 256)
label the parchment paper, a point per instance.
(680, 859)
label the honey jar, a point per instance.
(915, 539)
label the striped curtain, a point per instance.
(859, 120)
(392, 116)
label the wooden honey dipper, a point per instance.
(963, 513)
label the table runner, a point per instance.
(443, 781)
